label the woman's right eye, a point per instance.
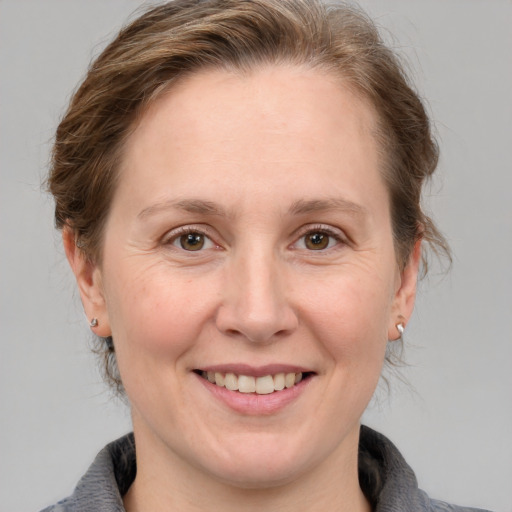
(191, 241)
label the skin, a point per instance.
(257, 166)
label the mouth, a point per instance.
(260, 385)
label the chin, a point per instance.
(258, 477)
(261, 468)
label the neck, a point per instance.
(165, 482)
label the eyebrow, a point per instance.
(299, 207)
(316, 205)
(189, 205)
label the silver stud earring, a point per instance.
(93, 322)
(400, 328)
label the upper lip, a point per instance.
(254, 371)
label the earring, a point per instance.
(400, 328)
(93, 322)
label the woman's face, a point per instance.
(250, 235)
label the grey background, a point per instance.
(455, 429)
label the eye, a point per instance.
(319, 240)
(190, 240)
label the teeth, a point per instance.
(219, 379)
(289, 380)
(279, 381)
(231, 382)
(265, 385)
(248, 384)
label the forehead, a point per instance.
(289, 119)
(262, 104)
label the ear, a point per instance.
(88, 278)
(405, 294)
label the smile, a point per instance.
(263, 385)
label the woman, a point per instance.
(238, 187)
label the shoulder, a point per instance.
(389, 482)
(441, 506)
(105, 482)
(61, 506)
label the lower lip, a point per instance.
(254, 404)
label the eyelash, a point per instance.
(173, 237)
(322, 229)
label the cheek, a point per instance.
(159, 314)
(351, 316)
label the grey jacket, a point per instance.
(386, 479)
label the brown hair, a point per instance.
(180, 37)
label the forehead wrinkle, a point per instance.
(198, 206)
(303, 206)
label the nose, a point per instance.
(255, 301)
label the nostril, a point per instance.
(255, 310)
(233, 332)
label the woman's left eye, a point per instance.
(317, 241)
(192, 241)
